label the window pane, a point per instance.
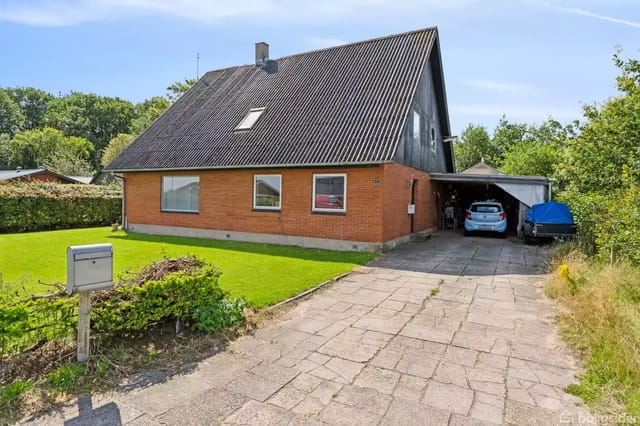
(485, 208)
(250, 119)
(433, 139)
(416, 126)
(181, 193)
(329, 192)
(267, 192)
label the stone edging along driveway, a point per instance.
(450, 331)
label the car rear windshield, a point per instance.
(485, 208)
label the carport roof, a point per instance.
(528, 190)
(476, 178)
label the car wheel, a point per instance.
(467, 233)
(503, 234)
(527, 239)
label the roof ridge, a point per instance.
(351, 44)
(355, 43)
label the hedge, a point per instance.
(38, 206)
(184, 288)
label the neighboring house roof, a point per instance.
(106, 178)
(21, 173)
(82, 179)
(481, 168)
(343, 105)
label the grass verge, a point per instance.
(603, 323)
(263, 273)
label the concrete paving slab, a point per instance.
(378, 347)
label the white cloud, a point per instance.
(70, 12)
(583, 12)
(500, 86)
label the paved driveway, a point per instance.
(450, 331)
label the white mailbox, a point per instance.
(89, 268)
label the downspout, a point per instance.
(550, 184)
(124, 216)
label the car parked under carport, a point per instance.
(483, 182)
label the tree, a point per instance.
(474, 145)
(609, 139)
(531, 150)
(146, 113)
(93, 117)
(33, 104)
(115, 147)
(178, 88)
(11, 118)
(531, 159)
(4, 152)
(34, 148)
(68, 164)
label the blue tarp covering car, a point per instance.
(549, 220)
(550, 212)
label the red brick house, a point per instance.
(325, 149)
(43, 175)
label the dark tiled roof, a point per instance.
(342, 105)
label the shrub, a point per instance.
(37, 206)
(586, 210)
(30, 322)
(219, 314)
(618, 231)
(143, 302)
(184, 288)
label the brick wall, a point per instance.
(377, 199)
(226, 203)
(397, 195)
(42, 177)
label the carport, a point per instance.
(482, 182)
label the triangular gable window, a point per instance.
(251, 118)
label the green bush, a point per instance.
(37, 206)
(609, 224)
(175, 296)
(618, 231)
(219, 314)
(587, 212)
(26, 323)
(183, 288)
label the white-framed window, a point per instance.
(330, 192)
(180, 194)
(251, 118)
(267, 190)
(432, 142)
(416, 126)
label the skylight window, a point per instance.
(251, 118)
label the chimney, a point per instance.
(262, 53)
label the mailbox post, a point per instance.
(89, 268)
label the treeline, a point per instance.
(70, 133)
(595, 163)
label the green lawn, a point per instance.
(263, 273)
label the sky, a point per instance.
(526, 59)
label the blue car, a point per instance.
(486, 216)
